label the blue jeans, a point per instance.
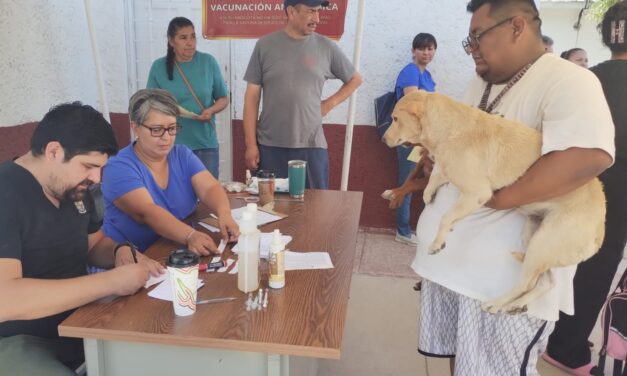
(211, 159)
(405, 167)
(276, 158)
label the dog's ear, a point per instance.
(416, 105)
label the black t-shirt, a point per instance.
(613, 77)
(50, 242)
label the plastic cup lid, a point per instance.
(265, 174)
(182, 258)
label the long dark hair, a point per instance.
(173, 27)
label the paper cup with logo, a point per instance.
(183, 268)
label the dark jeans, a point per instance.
(568, 344)
(25, 355)
(403, 213)
(275, 158)
(211, 159)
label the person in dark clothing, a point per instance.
(49, 233)
(568, 346)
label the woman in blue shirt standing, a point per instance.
(413, 77)
(194, 78)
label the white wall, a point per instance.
(46, 56)
(558, 24)
(389, 28)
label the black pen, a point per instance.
(130, 245)
(133, 251)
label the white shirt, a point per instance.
(566, 103)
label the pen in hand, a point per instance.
(133, 252)
(128, 244)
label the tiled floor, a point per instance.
(380, 337)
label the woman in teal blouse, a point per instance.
(182, 66)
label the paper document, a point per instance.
(307, 260)
(262, 217)
(264, 244)
(154, 280)
(209, 227)
(164, 290)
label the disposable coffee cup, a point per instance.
(182, 265)
(265, 184)
(296, 174)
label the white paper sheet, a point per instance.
(234, 270)
(228, 264)
(264, 244)
(262, 217)
(154, 280)
(164, 290)
(307, 260)
(209, 227)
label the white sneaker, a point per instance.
(409, 240)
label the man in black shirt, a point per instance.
(49, 233)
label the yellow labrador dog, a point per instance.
(480, 153)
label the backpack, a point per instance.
(383, 107)
(614, 326)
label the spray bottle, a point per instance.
(248, 255)
(277, 261)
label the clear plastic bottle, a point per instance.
(277, 261)
(248, 255)
(252, 208)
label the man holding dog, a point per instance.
(518, 80)
(290, 67)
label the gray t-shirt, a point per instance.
(292, 73)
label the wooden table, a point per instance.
(138, 335)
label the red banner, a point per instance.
(233, 19)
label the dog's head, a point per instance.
(406, 127)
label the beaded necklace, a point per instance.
(483, 105)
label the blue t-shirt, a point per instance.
(411, 76)
(203, 73)
(125, 172)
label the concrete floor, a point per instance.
(380, 336)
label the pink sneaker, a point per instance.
(580, 371)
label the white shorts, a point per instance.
(454, 325)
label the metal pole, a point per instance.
(94, 49)
(348, 141)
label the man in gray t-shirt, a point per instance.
(290, 67)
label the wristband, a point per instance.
(189, 236)
(130, 245)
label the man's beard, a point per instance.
(76, 193)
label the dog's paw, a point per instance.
(435, 248)
(427, 196)
(514, 309)
(491, 307)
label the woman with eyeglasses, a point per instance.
(152, 184)
(195, 80)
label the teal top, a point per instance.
(203, 73)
